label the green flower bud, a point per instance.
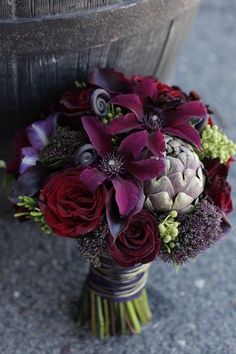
(162, 229)
(167, 239)
(174, 232)
(118, 110)
(173, 214)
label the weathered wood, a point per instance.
(38, 8)
(86, 28)
(41, 57)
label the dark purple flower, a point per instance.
(111, 80)
(31, 141)
(156, 121)
(123, 166)
(117, 83)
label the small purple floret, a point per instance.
(197, 232)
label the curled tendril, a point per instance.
(85, 155)
(99, 100)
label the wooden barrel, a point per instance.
(45, 45)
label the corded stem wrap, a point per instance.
(116, 283)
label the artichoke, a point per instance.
(182, 183)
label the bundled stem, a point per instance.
(110, 318)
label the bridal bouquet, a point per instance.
(135, 171)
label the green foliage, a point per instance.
(32, 211)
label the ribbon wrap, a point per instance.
(117, 283)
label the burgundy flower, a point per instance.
(138, 243)
(111, 80)
(156, 121)
(77, 100)
(124, 167)
(156, 108)
(217, 188)
(69, 208)
(169, 97)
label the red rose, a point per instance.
(69, 208)
(172, 91)
(217, 188)
(77, 100)
(139, 243)
(169, 97)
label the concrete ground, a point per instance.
(194, 311)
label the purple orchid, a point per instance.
(38, 135)
(156, 121)
(123, 167)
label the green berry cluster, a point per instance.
(215, 144)
(113, 112)
(32, 211)
(168, 229)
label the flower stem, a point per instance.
(106, 315)
(110, 318)
(100, 318)
(133, 316)
(93, 314)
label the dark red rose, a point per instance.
(77, 100)
(217, 188)
(169, 97)
(172, 91)
(69, 208)
(139, 243)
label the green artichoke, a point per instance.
(182, 183)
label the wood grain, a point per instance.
(34, 69)
(38, 8)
